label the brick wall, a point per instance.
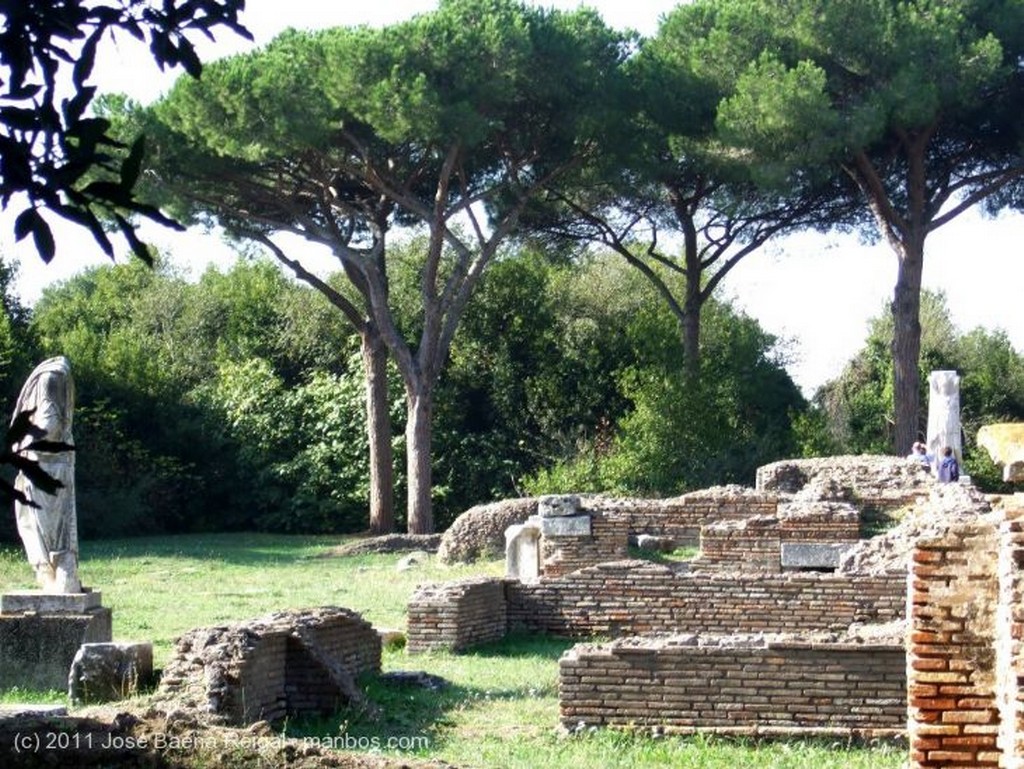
(608, 541)
(752, 544)
(965, 657)
(819, 522)
(286, 664)
(638, 597)
(680, 518)
(735, 684)
(456, 615)
(1010, 638)
(953, 715)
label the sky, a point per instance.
(816, 293)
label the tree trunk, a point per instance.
(417, 447)
(378, 427)
(906, 344)
(691, 329)
(693, 300)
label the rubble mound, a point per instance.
(891, 550)
(879, 479)
(480, 531)
(387, 543)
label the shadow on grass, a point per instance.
(405, 712)
(400, 709)
(523, 644)
(237, 548)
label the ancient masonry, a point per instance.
(285, 664)
(777, 685)
(737, 641)
(965, 664)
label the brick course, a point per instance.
(965, 665)
(608, 541)
(456, 615)
(639, 597)
(735, 684)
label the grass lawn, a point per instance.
(499, 709)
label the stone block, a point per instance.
(558, 505)
(522, 551)
(810, 555)
(36, 650)
(102, 672)
(22, 601)
(568, 526)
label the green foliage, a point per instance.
(855, 407)
(680, 433)
(157, 452)
(302, 448)
(55, 152)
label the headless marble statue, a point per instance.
(49, 530)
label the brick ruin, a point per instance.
(965, 662)
(623, 598)
(737, 684)
(737, 642)
(286, 664)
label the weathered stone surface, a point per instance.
(867, 481)
(22, 601)
(891, 550)
(558, 505)
(480, 531)
(522, 551)
(19, 710)
(566, 526)
(1004, 442)
(808, 555)
(944, 414)
(109, 671)
(48, 523)
(412, 560)
(36, 650)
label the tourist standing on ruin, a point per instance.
(949, 468)
(920, 452)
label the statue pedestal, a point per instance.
(40, 633)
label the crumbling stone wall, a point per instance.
(286, 664)
(736, 683)
(456, 615)
(870, 482)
